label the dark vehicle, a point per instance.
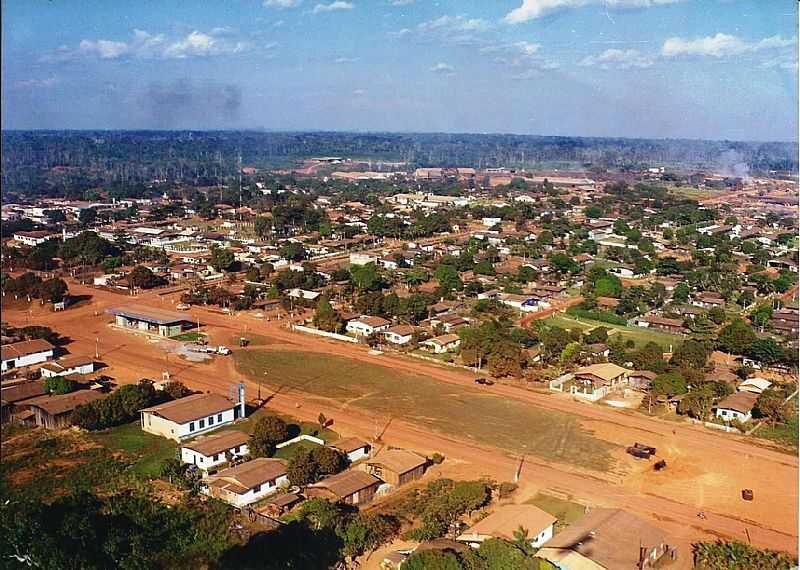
(484, 381)
(637, 452)
(747, 494)
(650, 450)
(660, 465)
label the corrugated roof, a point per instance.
(24, 348)
(505, 521)
(243, 477)
(212, 444)
(398, 460)
(346, 483)
(191, 407)
(149, 314)
(63, 403)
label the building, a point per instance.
(247, 483)
(25, 353)
(353, 448)
(754, 385)
(399, 334)
(52, 412)
(524, 303)
(350, 487)
(443, 343)
(738, 406)
(189, 416)
(13, 397)
(366, 325)
(68, 365)
(506, 521)
(607, 539)
(598, 380)
(362, 259)
(209, 451)
(396, 466)
(673, 326)
(148, 319)
(33, 238)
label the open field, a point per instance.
(146, 451)
(566, 511)
(469, 413)
(640, 336)
(696, 193)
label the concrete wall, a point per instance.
(250, 496)
(157, 425)
(26, 360)
(204, 462)
(318, 332)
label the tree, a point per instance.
(54, 290)
(690, 354)
(262, 226)
(448, 278)
(221, 259)
(326, 318)
(433, 560)
(563, 263)
(268, 432)
(761, 315)
(608, 286)
(737, 337)
(738, 556)
(680, 293)
(505, 360)
(554, 340)
(302, 468)
(59, 385)
(141, 277)
(56, 216)
(717, 315)
(593, 211)
(649, 357)
(669, 384)
(698, 402)
(87, 216)
(293, 251)
(771, 405)
(328, 461)
(766, 351)
(366, 277)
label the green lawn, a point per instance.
(469, 413)
(289, 451)
(785, 434)
(639, 335)
(147, 451)
(189, 337)
(565, 511)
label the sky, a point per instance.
(708, 69)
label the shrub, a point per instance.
(437, 458)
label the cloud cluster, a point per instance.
(144, 45)
(534, 9)
(336, 6)
(443, 68)
(618, 59)
(281, 3)
(36, 83)
(722, 45)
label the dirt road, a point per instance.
(707, 470)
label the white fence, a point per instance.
(712, 425)
(310, 438)
(318, 332)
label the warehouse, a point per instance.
(147, 319)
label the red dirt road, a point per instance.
(707, 469)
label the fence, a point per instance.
(712, 425)
(318, 332)
(303, 437)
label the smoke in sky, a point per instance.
(188, 104)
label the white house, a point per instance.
(25, 353)
(737, 406)
(212, 450)
(247, 483)
(68, 365)
(621, 271)
(506, 521)
(524, 303)
(443, 343)
(366, 325)
(491, 222)
(189, 416)
(353, 448)
(399, 334)
(754, 385)
(33, 238)
(362, 259)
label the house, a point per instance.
(25, 353)
(366, 325)
(737, 406)
(524, 303)
(399, 334)
(505, 522)
(396, 466)
(352, 447)
(621, 271)
(673, 326)
(607, 539)
(597, 350)
(641, 379)
(598, 380)
(55, 411)
(148, 319)
(607, 303)
(189, 416)
(68, 365)
(443, 343)
(14, 396)
(33, 238)
(708, 300)
(754, 385)
(248, 482)
(448, 321)
(351, 487)
(212, 450)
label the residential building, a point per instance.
(673, 326)
(25, 353)
(351, 487)
(248, 482)
(68, 365)
(13, 397)
(597, 381)
(353, 448)
(754, 385)
(607, 539)
(399, 334)
(55, 411)
(209, 451)
(738, 406)
(396, 466)
(443, 343)
(189, 416)
(366, 325)
(506, 521)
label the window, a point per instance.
(219, 417)
(202, 424)
(191, 426)
(219, 456)
(211, 420)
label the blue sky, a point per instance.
(719, 69)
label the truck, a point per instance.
(223, 350)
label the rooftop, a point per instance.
(213, 444)
(244, 477)
(346, 483)
(506, 520)
(24, 348)
(191, 407)
(398, 460)
(149, 314)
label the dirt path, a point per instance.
(707, 470)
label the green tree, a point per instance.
(737, 337)
(141, 277)
(302, 469)
(54, 290)
(669, 384)
(87, 216)
(608, 286)
(680, 293)
(326, 318)
(293, 251)
(766, 351)
(690, 354)
(761, 315)
(771, 405)
(59, 385)
(366, 277)
(267, 433)
(505, 360)
(448, 278)
(221, 259)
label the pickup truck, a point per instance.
(223, 350)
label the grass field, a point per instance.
(694, 193)
(189, 337)
(565, 511)
(468, 413)
(784, 434)
(146, 451)
(289, 451)
(640, 336)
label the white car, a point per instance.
(223, 350)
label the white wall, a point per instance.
(27, 360)
(154, 424)
(250, 496)
(542, 537)
(204, 462)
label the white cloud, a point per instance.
(449, 24)
(401, 2)
(144, 45)
(359, 92)
(533, 9)
(400, 33)
(42, 83)
(458, 30)
(527, 48)
(281, 3)
(278, 24)
(336, 6)
(722, 45)
(443, 68)
(345, 60)
(618, 59)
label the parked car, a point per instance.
(484, 381)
